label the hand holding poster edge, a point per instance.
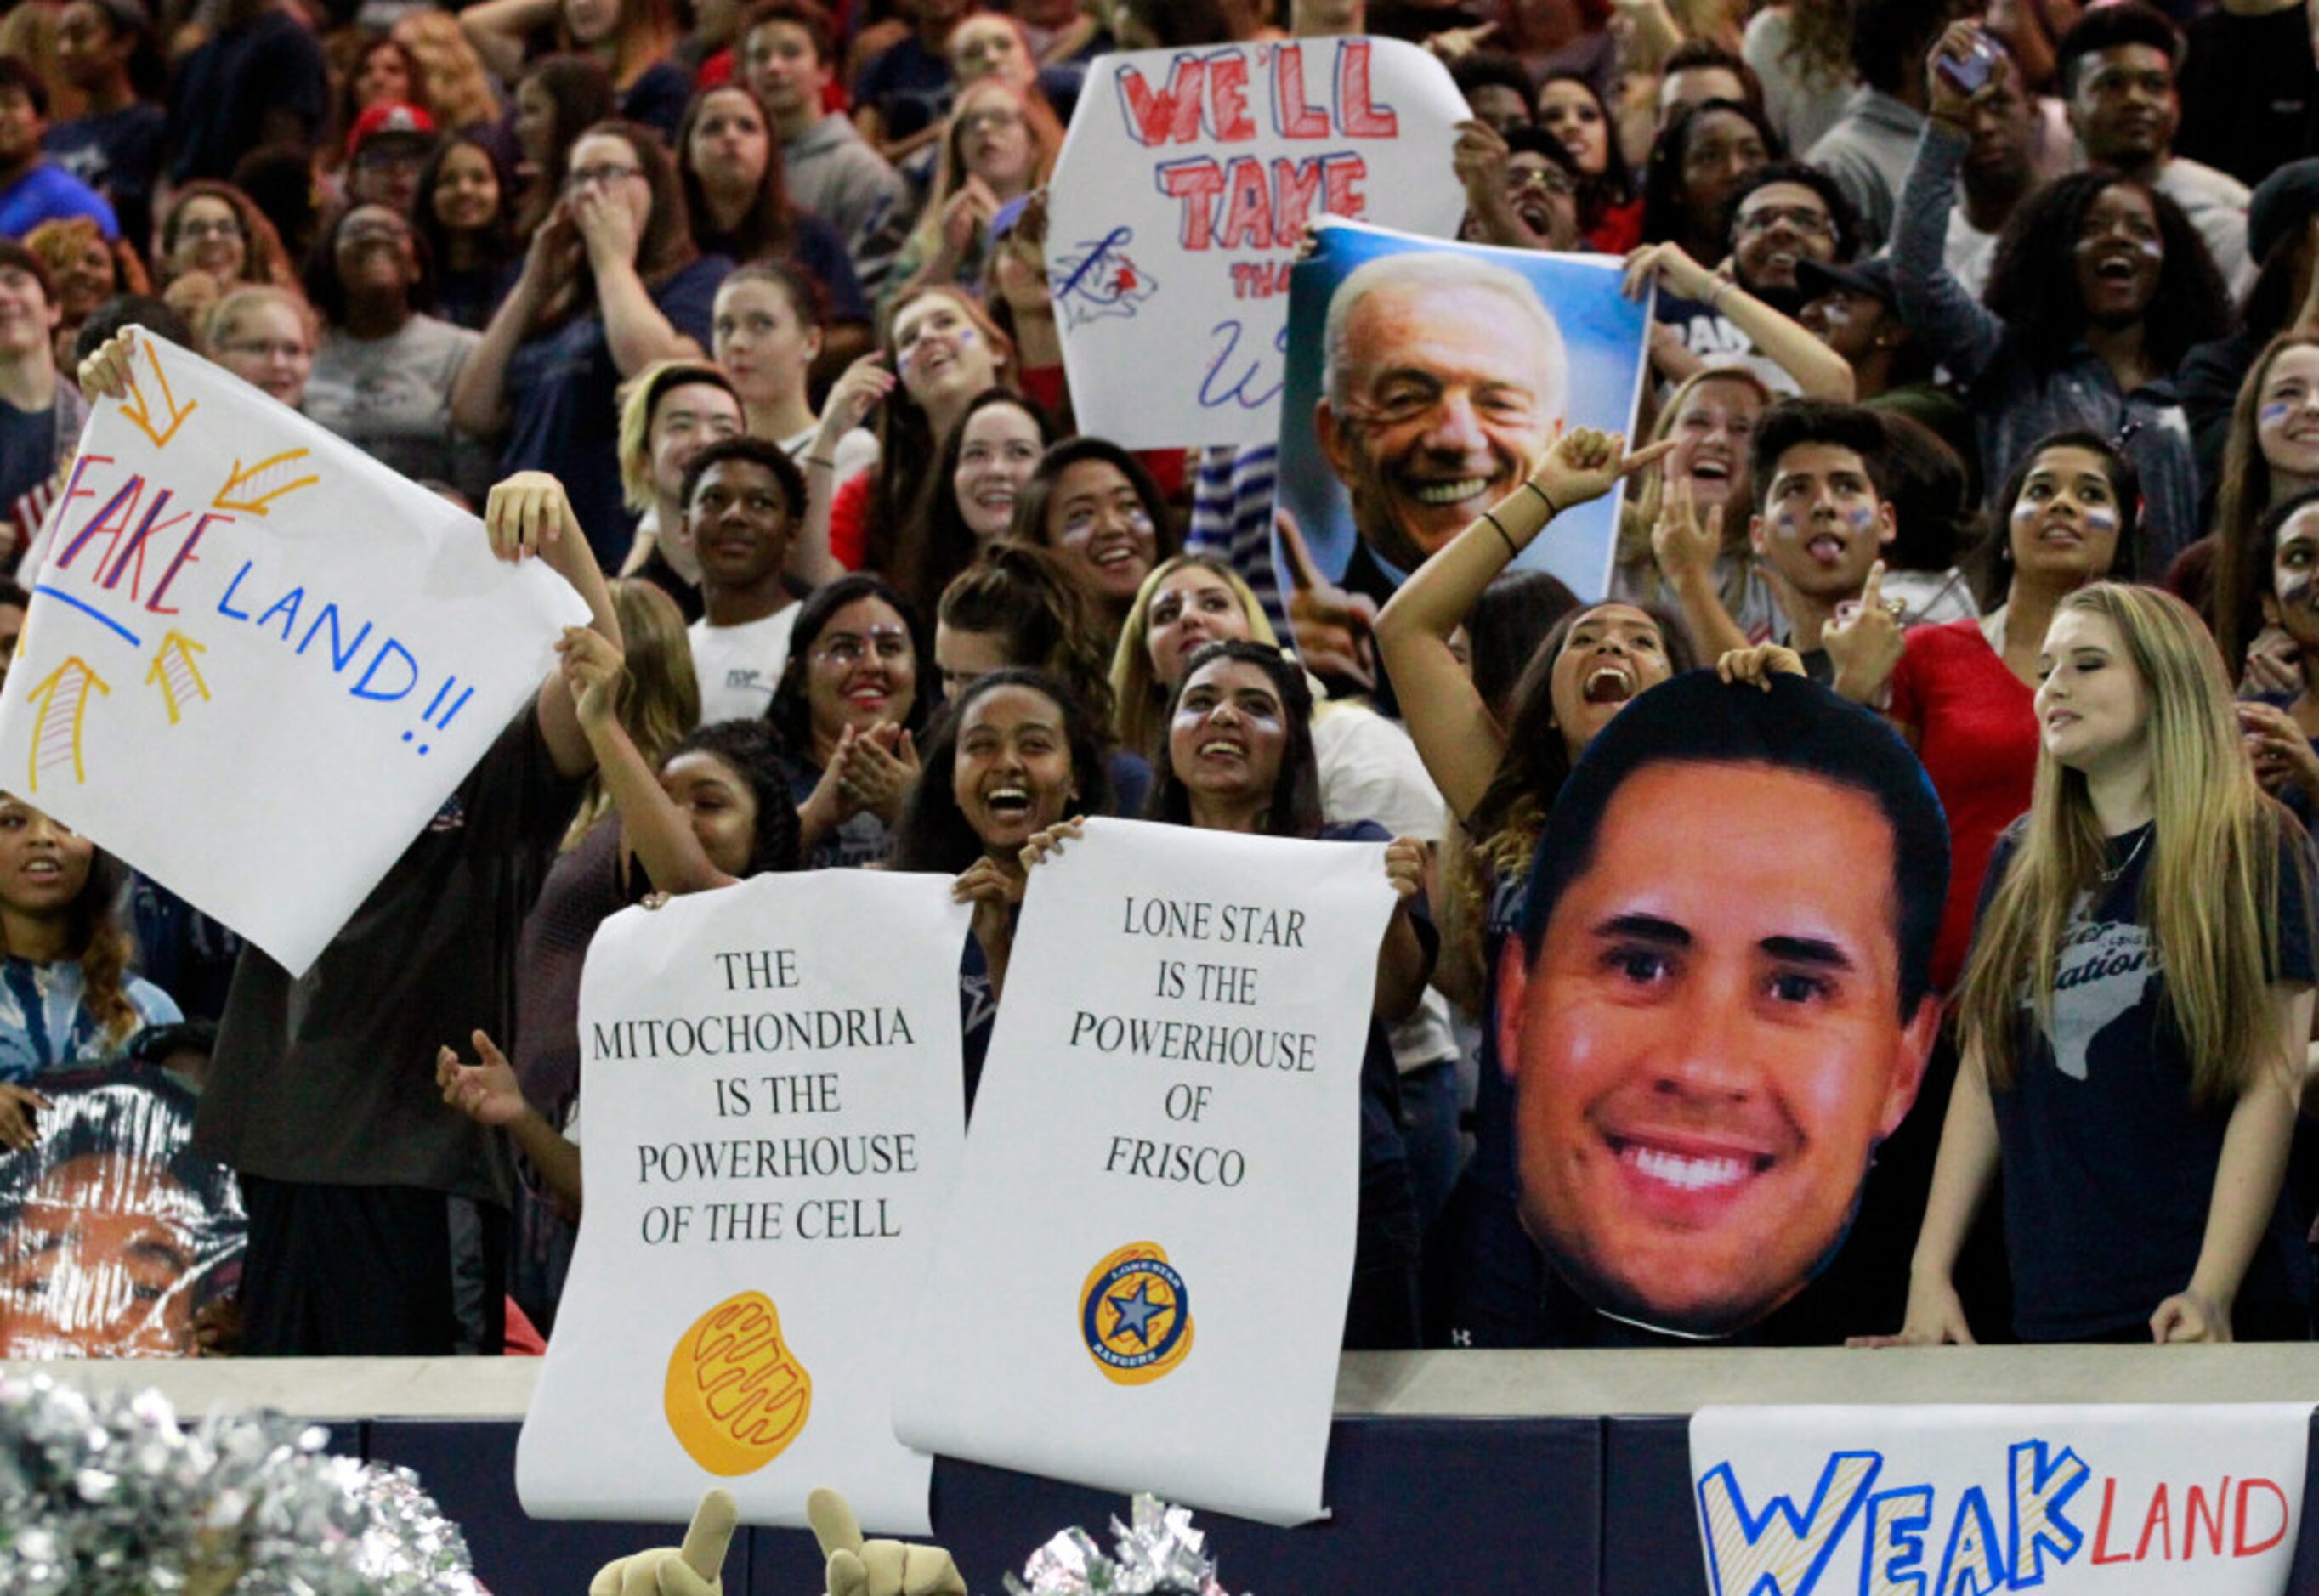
(959, 1413)
(413, 588)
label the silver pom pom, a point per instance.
(110, 1496)
(1160, 1554)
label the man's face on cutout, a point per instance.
(1709, 1043)
(1451, 395)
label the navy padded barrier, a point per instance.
(470, 1466)
(1650, 1531)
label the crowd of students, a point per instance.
(1966, 320)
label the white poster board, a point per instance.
(1155, 1217)
(772, 1104)
(257, 661)
(2198, 1501)
(1175, 206)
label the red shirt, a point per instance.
(849, 521)
(1976, 725)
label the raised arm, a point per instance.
(1820, 370)
(651, 827)
(527, 517)
(1958, 330)
(499, 30)
(1455, 736)
(479, 396)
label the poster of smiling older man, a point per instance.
(1426, 380)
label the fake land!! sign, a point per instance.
(772, 1104)
(1155, 1218)
(2202, 1500)
(1177, 205)
(256, 660)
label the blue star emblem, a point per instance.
(1137, 1312)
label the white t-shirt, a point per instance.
(740, 667)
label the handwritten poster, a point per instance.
(256, 660)
(1183, 188)
(1540, 341)
(2198, 1501)
(1155, 1219)
(772, 1101)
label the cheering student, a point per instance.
(1015, 753)
(2156, 908)
(2279, 723)
(632, 39)
(992, 456)
(744, 500)
(594, 877)
(717, 810)
(1238, 757)
(2272, 455)
(2099, 288)
(942, 349)
(1094, 504)
(306, 1101)
(848, 708)
(740, 209)
(1710, 420)
(463, 215)
(66, 998)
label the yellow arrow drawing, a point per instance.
(141, 413)
(256, 505)
(183, 648)
(52, 733)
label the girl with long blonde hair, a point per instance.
(2133, 1016)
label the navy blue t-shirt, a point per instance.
(909, 85)
(657, 98)
(564, 395)
(117, 153)
(2110, 1168)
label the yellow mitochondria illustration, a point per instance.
(736, 1396)
(1135, 1315)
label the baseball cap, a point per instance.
(389, 117)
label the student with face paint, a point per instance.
(2280, 724)
(1238, 757)
(2099, 289)
(1820, 525)
(1962, 693)
(1710, 419)
(2156, 907)
(1014, 753)
(2272, 457)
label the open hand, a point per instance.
(486, 1092)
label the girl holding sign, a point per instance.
(1238, 757)
(2156, 908)
(1016, 752)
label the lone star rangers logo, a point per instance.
(1135, 1314)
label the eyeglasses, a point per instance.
(1811, 223)
(595, 176)
(278, 349)
(227, 229)
(845, 650)
(1552, 179)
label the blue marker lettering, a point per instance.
(339, 658)
(225, 603)
(286, 607)
(362, 689)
